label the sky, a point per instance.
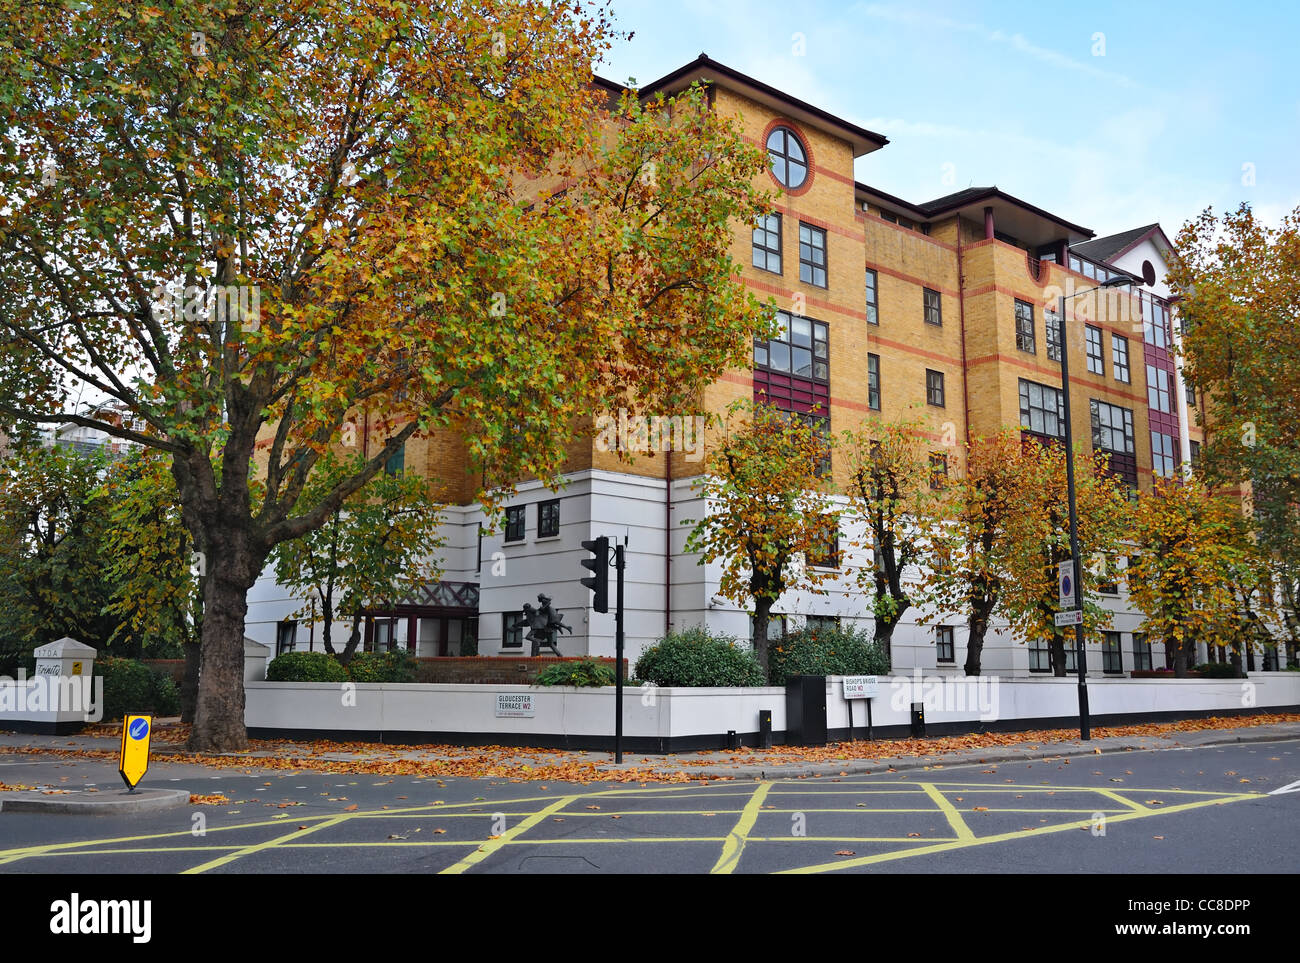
(1110, 115)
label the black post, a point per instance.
(1080, 656)
(870, 735)
(618, 657)
(850, 702)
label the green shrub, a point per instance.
(306, 667)
(395, 666)
(585, 673)
(696, 658)
(128, 686)
(164, 694)
(826, 650)
(14, 655)
(1216, 670)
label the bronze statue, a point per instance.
(544, 624)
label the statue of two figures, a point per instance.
(544, 624)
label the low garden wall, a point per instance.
(672, 719)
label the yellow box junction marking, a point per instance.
(133, 760)
(492, 845)
(735, 844)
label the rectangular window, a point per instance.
(396, 462)
(1042, 410)
(385, 635)
(1025, 327)
(1196, 455)
(1039, 656)
(828, 556)
(934, 388)
(548, 518)
(1112, 656)
(1096, 363)
(812, 255)
(873, 382)
(1053, 320)
(516, 523)
(1191, 393)
(800, 348)
(1119, 358)
(1155, 321)
(1141, 652)
(1163, 462)
(1112, 428)
(947, 649)
(512, 634)
(286, 636)
(873, 298)
(1112, 433)
(933, 307)
(1158, 392)
(938, 470)
(1076, 264)
(767, 243)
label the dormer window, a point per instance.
(789, 158)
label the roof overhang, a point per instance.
(711, 72)
(1027, 223)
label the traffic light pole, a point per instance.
(618, 657)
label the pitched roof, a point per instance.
(1105, 248)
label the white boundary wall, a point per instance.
(680, 713)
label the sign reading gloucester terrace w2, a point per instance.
(515, 705)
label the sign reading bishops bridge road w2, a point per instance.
(134, 759)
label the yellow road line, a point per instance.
(735, 843)
(1112, 794)
(954, 818)
(492, 845)
(261, 847)
(1003, 837)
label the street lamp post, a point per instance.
(1080, 658)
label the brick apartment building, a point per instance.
(935, 305)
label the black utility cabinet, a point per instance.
(805, 710)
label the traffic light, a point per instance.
(598, 580)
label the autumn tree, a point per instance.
(767, 510)
(1196, 575)
(376, 546)
(972, 546)
(156, 597)
(53, 519)
(891, 495)
(1040, 531)
(1238, 286)
(245, 224)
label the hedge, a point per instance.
(584, 673)
(835, 650)
(395, 666)
(131, 686)
(306, 667)
(696, 658)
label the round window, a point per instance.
(789, 159)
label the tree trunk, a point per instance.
(1180, 659)
(233, 567)
(190, 681)
(1057, 649)
(762, 616)
(350, 648)
(1235, 659)
(885, 638)
(979, 627)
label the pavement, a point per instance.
(781, 762)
